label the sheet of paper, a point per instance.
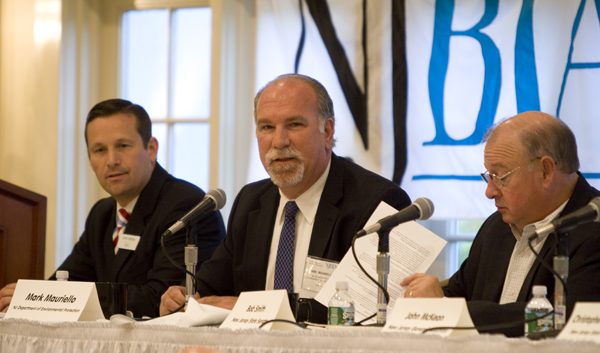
(413, 248)
(196, 314)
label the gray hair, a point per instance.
(552, 138)
(324, 102)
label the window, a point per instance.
(459, 234)
(166, 68)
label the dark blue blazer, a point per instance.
(350, 196)
(480, 279)
(148, 272)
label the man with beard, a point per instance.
(326, 197)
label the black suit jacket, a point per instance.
(480, 279)
(350, 196)
(148, 272)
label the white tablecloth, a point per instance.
(17, 335)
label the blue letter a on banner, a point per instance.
(438, 67)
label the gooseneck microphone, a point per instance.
(586, 214)
(213, 200)
(421, 208)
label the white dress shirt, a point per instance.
(307, 203)
(522, 258)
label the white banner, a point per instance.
(470, 64)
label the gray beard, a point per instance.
(286, 176)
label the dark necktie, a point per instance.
(284, 265)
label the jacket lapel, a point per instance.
(327, 212)
(578, 199)
(259, 235)
(499, 261)
(142, 211)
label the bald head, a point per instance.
(324, 104)
(540, 135)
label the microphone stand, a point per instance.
(191, 259)
(383, 269)
(561, 266)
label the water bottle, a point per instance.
(62, 275)
(341, 306)
(538, 306)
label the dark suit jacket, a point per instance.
(350, 196)
(148, 272)
(480, 279)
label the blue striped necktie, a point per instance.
(284, 265)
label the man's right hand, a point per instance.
(6, 295)
(173, 298)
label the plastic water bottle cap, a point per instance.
(62, 275)
(341, 285)
(539, 290)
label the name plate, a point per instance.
(55, 301)
(415, 315)
(584, 323)
(252, 309)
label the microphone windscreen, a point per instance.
(425, 207)
(218, 196)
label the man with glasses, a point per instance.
(532, 175)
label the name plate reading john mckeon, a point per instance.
(55, 301)
(417, 315)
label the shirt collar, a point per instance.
(129, 207)
(308, 202)
(530, 229)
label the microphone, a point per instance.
(213, 200)
(586, 214)
(421, 208)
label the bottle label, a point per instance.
(559, 314)
(544, 324)
(340, 316)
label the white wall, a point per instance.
(29, 72)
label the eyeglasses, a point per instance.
(486, 176)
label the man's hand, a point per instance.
(6, 295)
(173, 298)
(221, 302)
(421, 285)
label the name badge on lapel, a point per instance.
(128, 241)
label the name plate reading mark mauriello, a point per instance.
(55, 301)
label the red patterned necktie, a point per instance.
(122, 218)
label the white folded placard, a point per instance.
(584, 323)
(252, 309)
(55, 301)
(416, 314)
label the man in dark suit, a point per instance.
(533, 177)
(145, 201)
(335, 197)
